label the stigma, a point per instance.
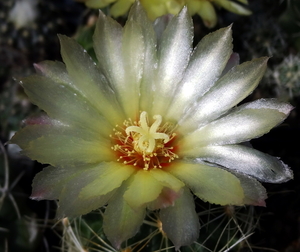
(145, 145)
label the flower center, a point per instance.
(145, 146)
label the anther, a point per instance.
(144, 145)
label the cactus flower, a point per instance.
(156, 8)
(153, 123)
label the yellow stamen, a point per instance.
(143, 145)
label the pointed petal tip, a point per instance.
(261, 203)
(287, 108)
(61, 36)
(62, 39)
(40, 68)
(260, 62)
(184, 17)
(41, 119)
(227, 29)
(228, 32)
(257, 64)
(116, 243)
(136, 5)
(177, 248)
(101, 14)
(271, 103)
(184, 14)
(224, 35)
(287, 172)
(184, 10)
(290, 174)
(36, 196)
(19, 80)
(264, 60)
(37, 67)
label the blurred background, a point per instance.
(28, 34)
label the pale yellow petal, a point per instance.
(173, 58)
(205, 67)
(167, 179)
(63, 102)
(181, 222)
(146, 94)
(210, 183)
(65, 185)
(226, 93)
(120, 221)
(143, 189)
(63, 146)
(89, 81)
(112, 177)
(255, 193)
(244, 123)
(133, 53)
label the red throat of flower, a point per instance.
(144, 146)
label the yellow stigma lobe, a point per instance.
(145, 136)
